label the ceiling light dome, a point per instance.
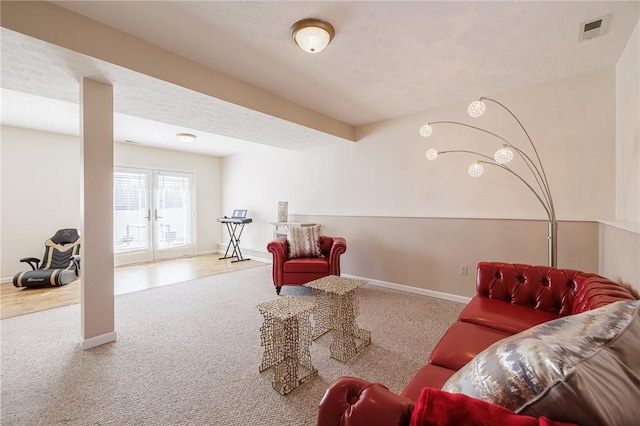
(186, 137)
(312, 35)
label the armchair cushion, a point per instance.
(319, 265)
(304, 241)
(556, 369)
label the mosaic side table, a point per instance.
(286, 335)
(337, 311)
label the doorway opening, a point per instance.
(154, 215)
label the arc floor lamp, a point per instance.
(536, 182)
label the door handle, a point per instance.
(148, 216)
(156, 217)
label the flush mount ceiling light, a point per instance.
(312, 35)
(186, 137)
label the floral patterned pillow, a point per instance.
(303, 241)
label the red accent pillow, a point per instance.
(439, 408)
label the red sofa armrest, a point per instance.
(596, 291)
(355, 402)
(279, 248)
(337, 249)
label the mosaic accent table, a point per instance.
(286, 335)
(337, 311)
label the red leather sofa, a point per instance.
(510, 298)
(301, 270)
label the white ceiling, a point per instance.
(388, 59)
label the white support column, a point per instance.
(97, 289)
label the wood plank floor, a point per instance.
(19, 301)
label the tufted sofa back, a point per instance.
(560, 291)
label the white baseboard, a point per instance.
(92, 342)
(250, 253)
(400, 287)
(205, 252)
(414, 290)
(6, 280)
(263, 260)
(255, 255)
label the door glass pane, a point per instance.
(174, 210)
(131, 202)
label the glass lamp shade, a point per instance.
(426, 130)
(503, 155)
(476, 109)
(312, 35)
(476, 170)
(432, 154)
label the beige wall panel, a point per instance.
(427, 253)
(620, 255)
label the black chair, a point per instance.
(60, 263)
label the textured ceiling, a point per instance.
(31, 66)
(388, 59)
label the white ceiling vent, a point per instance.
(594, 28)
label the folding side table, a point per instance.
(337, 311)
(286, 335)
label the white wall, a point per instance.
(41, 190)
(628, 131)
(620, 237)
(385, 174)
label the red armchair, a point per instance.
(301, 270)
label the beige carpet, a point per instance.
(188, 354)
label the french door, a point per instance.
(153, 215)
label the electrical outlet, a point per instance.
(463, 270)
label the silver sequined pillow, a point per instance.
(582, 368)
(304, 241)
